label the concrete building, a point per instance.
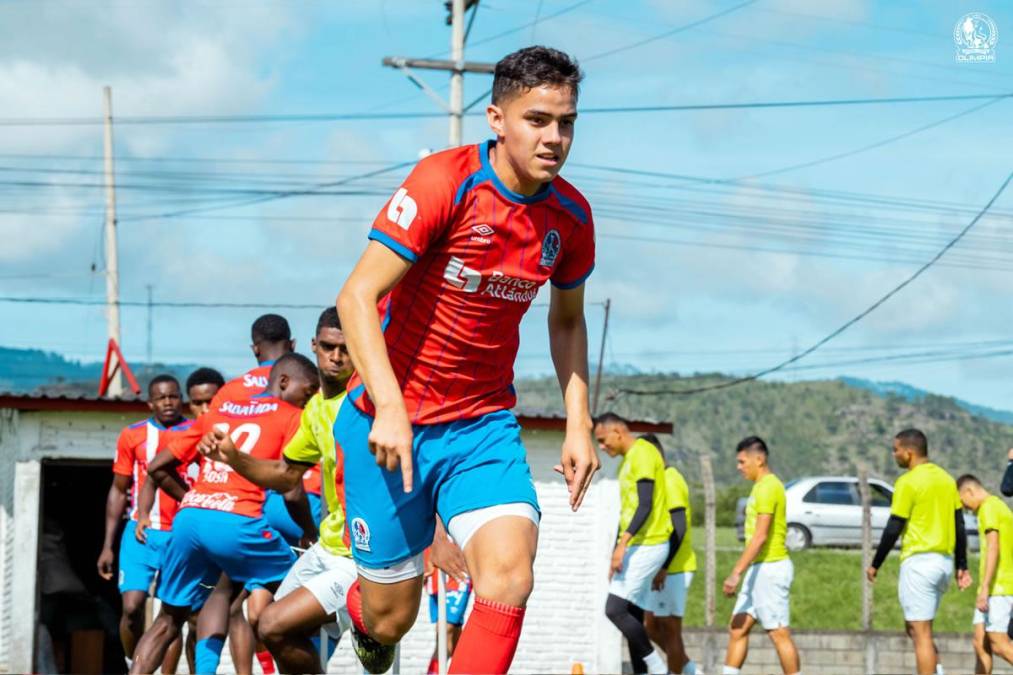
(56, 455)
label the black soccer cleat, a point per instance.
(375, 657)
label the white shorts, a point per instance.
(640, 564)
(1000, 608)
(765, 594)
(923, 580)
(327, 577)
(671, 599)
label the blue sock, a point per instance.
(332, 644)
(208, 654)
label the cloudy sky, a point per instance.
(728, 239)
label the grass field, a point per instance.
(827, 592)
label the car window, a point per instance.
(879, 495)
(832, 492)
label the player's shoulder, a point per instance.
(571, 200)
(135, 430)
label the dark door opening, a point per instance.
(79, 611)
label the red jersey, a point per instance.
(480, 252)
(250, 383)
(137, 446)
(259, 426)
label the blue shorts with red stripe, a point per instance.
(458, 467)
(206, 543)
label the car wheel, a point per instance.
(797, 537)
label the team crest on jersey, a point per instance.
(360, 534)
(550, 248)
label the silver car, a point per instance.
(827, 511)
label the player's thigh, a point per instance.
(298, 613)
(387, 525)
(188, 574)
(502, 553)
(252, 555)
(139, 563)
(399, 599)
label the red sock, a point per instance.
(353, 603)
(489, 638)
(266, 662)
(434, 666)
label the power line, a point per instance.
(869, 310)
(85, 302)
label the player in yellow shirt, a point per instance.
(994, 604)
(768, 570)
(667, 603)
(926, 510)
(644, 529)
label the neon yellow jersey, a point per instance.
(643, 461)
(767, 496)
(995, 515)
(677, 493)
(313, 443)
(926, 496)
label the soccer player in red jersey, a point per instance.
(271, 338)
(462, 248)
(139, 562)
(220, 525)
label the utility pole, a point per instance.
(601, 357)
(456, 66)
(149, 287)
(112, 265)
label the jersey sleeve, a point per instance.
(418, 213)
(123, 465)
(677, 498)
(577, 260)
(183, 445)
(903, 500)
(302, 446)
(987, 517)
(766, 498)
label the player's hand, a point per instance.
(448, 556)
(964, 580)
(390, 440)
(870, 574)
(982, 600)
(731, 583)
(105, 564)
(140, 532)
(658, 582)
(306, 541)
(578, 464)
(616, 566)
(218, 446)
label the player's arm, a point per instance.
(753, 548)
(960, 550)
(645, 498)
(679, 528)
(145, 500)
(891, 533)
(298, 507)
(280, 475)
(376, 273)
(163, 473)
(116, 502)
(991, 565)
(568, 345)
(1007, 478)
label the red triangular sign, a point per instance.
(110, 367)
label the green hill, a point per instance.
(819, 427)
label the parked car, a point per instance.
(827, 511)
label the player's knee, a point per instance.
(508, 585)
(271, 627)
(978, 640)
(133, 607)
(391, 628)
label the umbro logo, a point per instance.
(482, 233)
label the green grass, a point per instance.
(827, 592)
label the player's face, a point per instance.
(535, 129)
(199, 398)
(607, 437)
(165, 402)
(748, 464)
(967, 498)
(297, 390)
(901, 455)
(332, 354)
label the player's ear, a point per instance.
(494, 114)
(283, 381)
(291, 345)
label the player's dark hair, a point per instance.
(534, 67)
(329, 319)
(294, 363)
(610, 418)
(204, 376)
(654, 440)
(915, 440)
(968, 479)
(752, 444)
(159, 379)
(270, 328)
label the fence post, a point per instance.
(864, 493)
(710, 539)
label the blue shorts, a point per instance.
(139, 563)
(457, 604)
(278, 517)
(458, 467)
(206, 543)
